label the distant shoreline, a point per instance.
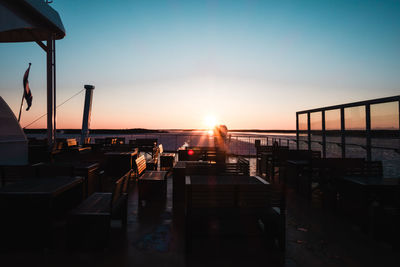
(141, 130)
(353, 133)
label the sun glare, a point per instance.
(210, 121)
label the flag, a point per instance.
(27, 90)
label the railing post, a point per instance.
(297, 131)
(323, 135)
(343, 132)
(368, 130)
(309, 130)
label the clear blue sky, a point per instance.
(251, 64)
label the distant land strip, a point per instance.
(142, 130)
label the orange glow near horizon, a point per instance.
(210, 121)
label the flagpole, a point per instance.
(20, 108)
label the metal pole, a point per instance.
(342, 132)
(87, 113)
(53, 54)
(368, 130)
(50, 133)
(309, 130)
(297, 131)
(323, 135)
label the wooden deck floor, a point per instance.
(155, 238)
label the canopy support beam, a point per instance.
(42, 45)
(51, 99)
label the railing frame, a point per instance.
(367, 104)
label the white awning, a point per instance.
(29, 20)
(13, 142)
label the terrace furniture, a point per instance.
(183, 168)
(90, 171)
(323, 174)
(29, 207)
(13, 174)
(89, 224)
(68, 150)
(211, 154)
(167, 161)
(277, 162)
(152, 185)
(364, 198)
(231, 205)
(145, 145)
(262, 154)
(119, 163)
(153, 162)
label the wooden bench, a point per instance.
(89, 224)
(153, 162)
(144, 144)
(167, 161)
(13, 174)
(277, 162)
(211, 154)
(231, 202)
(151, 184)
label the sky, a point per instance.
(172, 64)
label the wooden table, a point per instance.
(152, 185)
(119, 163)
(29, 207)
(167, 160)
(298, 174)
(360, 197)
(89, 170)
(230, 203)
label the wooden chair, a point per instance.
(151, 184)
(89, 224)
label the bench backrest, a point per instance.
(140, 165)
(120, 187)
(243, 196)
(53, 170)
(205, 168)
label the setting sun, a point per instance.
(210, 121)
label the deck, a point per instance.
(155, 238)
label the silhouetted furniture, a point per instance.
(68, 150)
(13, 174)
(233, 205)
(90, 171)
(151, 184)
(145, 145)
(119, 163)
(153, 162)
(323, 174)
(167, 161)
(263, 154)
(38, 151)
(89, 224)
(29, 207)
(367, 200)
(277, 162)
(183, 168)
(211, 154)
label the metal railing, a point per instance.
(366, 128)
